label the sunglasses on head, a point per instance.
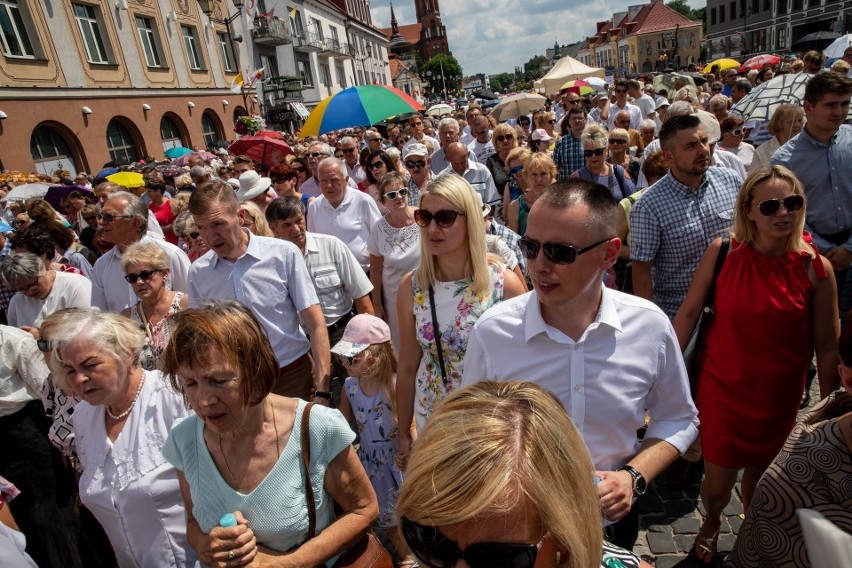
(145, 275)
(401, 192)
(618, 141)
(436, 551)
(597, 152)
(377, 165)
(555, 252)
(443, 218)
(505, 137)
(792, 203)
(411, 164)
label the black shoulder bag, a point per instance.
(437, 332)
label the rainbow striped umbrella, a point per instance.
(364, 105)
(580, 87)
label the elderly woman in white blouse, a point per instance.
(121, 424)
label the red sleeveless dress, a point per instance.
(756, 356)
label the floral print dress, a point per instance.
(458, 308)
(378, 447)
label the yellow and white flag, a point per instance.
(237, 83)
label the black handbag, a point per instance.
(695, 345)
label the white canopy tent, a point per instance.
(567, 69)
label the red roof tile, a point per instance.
(410, 33)
(660, 17)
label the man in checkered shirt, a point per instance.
(672, 224)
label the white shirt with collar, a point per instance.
(271, 279)
(412, 140)
(111, 292)
(337, 276)
(312, 186)
(628, 360)
(350, 221)
(635, 115)
(440, 163)
(357, 174)
(480, 178)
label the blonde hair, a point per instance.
(380, 367)
(253, 212)
(147, 254)
(503, 129)
(745, 231)
(456, 191)
(493, 445)
(540, 161)
(781, 115)
(179, 202)
(542, 118)
(595, 136)
(518, 153)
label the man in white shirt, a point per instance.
(646, 104)
(104, 189)
(607, 355)
(269, 277)
(621, 104)
(476, 174)
(448, 132)
(470, 114)
(124, 220)
(346, 213)
(482, 145)
(351, 155)
(415, 130)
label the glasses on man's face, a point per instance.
(595, 152)
(28, 287)
(792, 203)
(316, 154)
(443, 218)
(505, 138)
(436, 551)
(571, 102)
(377, 165)
(348, 150)
(401, 192)
(109, 217)
(556, 253)
(411, 164)
(144, 276)
(478, 132)
(620, 91)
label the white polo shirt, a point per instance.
(312, 187)
(480, 178)
(337, 276)
(111, 292)
(628, 360)
(69, 291)
(635, 115)
(350, 221)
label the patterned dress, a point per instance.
(158, 333)
(379, 443)
(457, 309)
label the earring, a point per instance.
(558, 557)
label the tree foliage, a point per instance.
(501, 82)
(682, 7)
(452, 72)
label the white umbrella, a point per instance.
(595, 81)
(838, 46)
(764, 99)
(28, 191)
(439, 110)
(517, 106)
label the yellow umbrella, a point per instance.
(127, 179)
(722, 63)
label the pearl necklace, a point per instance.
(129, 408)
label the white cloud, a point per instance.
(493, 36)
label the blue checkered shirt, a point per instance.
(414, 193)
(511, 238)
(568, 155)
(5, 293)
(671, 226)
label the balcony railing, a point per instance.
(308, 41)
(271, 32)
(332, 47)
(285, 87)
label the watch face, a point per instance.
(639, 485)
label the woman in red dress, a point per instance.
(775, 298)
(162, 209)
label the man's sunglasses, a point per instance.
(621, 91)
(316, 154)
(505, 137)
(555, 252)
(415, 164)
(597, 152)
(109, 217)
(145, 275)
(792, 203)
(348, 150)
(443, 218)
(436, 551)
(401, 192)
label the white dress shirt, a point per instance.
(480, 178)
(312, 187)
(111, 292)
(440, 163)
(628, 360)
(271, 279)
(635, 115)
(337, 276)
(69, 291)
(356, 174)
(350, 221)
(22, 370)
(129, 486)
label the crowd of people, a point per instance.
(497, 310)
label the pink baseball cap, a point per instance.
(362, 331)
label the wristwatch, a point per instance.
(639, 483)
(322, 394)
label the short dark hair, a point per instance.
(155, 185)
(565, 126)
(674, 125)
(210, 191)
(35, 239)
(603, 210)
(743, 85)
(827, 83)
(621, 83)
(633, 84)
(283, 208)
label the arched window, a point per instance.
(170, 134)
(238, 112)
(210, 130)
(50, 152)
(120, 143)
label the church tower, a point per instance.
(433, 34)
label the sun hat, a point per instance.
(362, 331)
(541, 134)
(252, 185)
(711, 126)
(415, 149)
(486, 209)
(662, 103)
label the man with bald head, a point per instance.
(634, 139)
(317, 152)
(448, 132)
(476, 174)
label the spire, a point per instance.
(394, 23)
(396, 39)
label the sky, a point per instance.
(493, 36)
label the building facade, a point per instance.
(751, 27)
(426, 39)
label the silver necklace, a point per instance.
(133, 402)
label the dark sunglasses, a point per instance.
(717, 90)
(316, 154)
(618, 141)
(43, 345)
(194, 235)
(299, 170)
(571, 102)
(551, 121)
(106, 217)
(516, 170)
(436, 551)
(590, 153)
(280, 180)
(415, 164)
(443, 218)
(792, 203)
(555, 252)
(377, 165)
(145, 275)
(348, 150)
(504, 137)
(401, 192)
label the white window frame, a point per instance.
(18, 29)
(341, 75)
(192, 46)
(303, 68)
(325, 74)
(148, 37)
(226, 52)
(93, 38)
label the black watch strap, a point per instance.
(639, 483)
(322, 394)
